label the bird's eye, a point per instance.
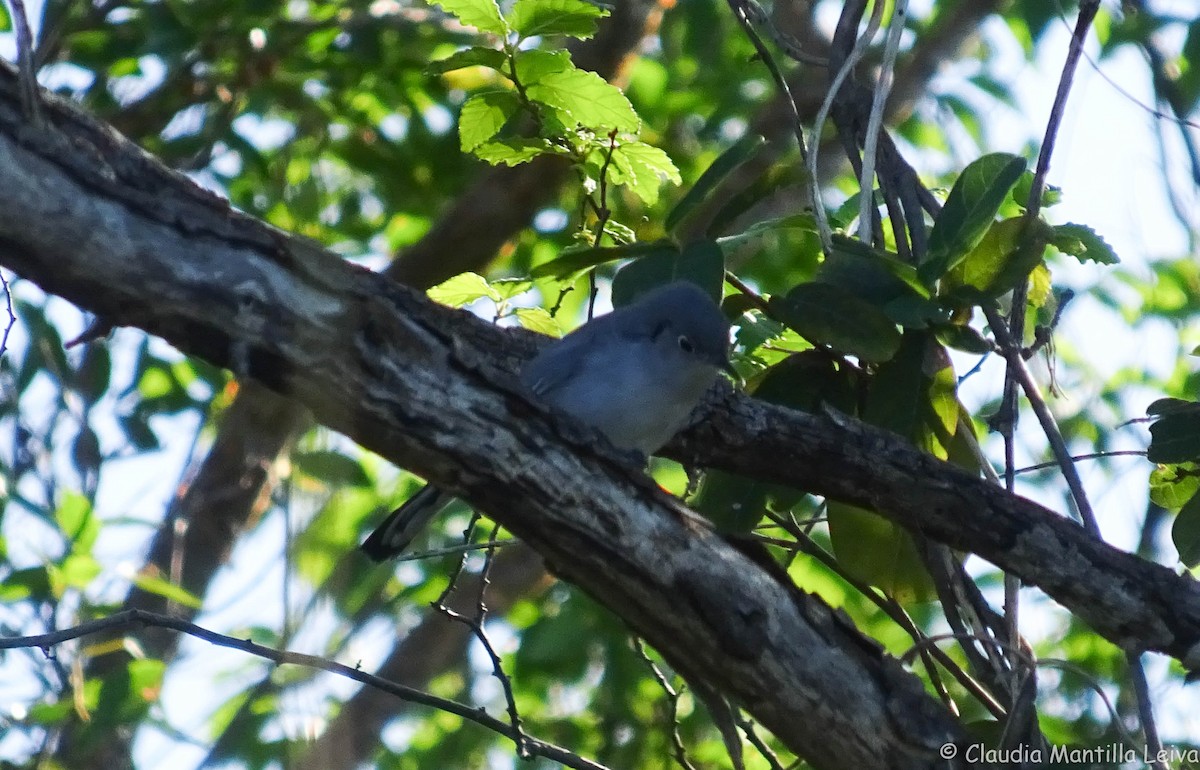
(685, 344)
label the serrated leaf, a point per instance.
(477, 56)
(539, 320)
(702, 263)
(827, 314)
(574, 18)
(1185, 532)
(970, 208)
(483, 115)
(534, 64)
(513, 152)
(508, 288)
(483, 15)
(644, 168)
(587, 98)
(1083, 243)
(463, 289)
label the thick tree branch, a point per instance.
(97, 222)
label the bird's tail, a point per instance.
(402, 526)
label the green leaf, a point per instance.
(6, 24)
(78, 570)
(1083, 243)
(77, 521)
(734, 504)
(483, 15)
(94, 373)
(586, 98)
(145, 678)
(970, 208)
(534, 64)
(701, 262)
(513, 152)
(963, 337)
(483, 115)
(876, 276)
(574, 18)
(878, 552)
(1185, 532)
(463, 289)
(28, 583)
(742, 150)
(998, 263)
(1171, 406)
(333, 468)
(1175, 437)
(1173, 485)
(539, 320)
(804, 221)
(1051, 195)
(166, 589)
(643, 169)
(827, 314)
(581, 258)
(477, 56)
(809, 381)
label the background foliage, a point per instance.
(336, 120)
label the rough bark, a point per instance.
(261, 425)
(96, 221)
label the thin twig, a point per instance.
(8, 309)
(1088, 456)
(31, 100)
(883, 85)
(745, 16)
(1141, 689)
(475, 624)
(603, 212)
(137, 619)
(1058, 445)
(1087, 12)
(758, 743)
(679, 751)
(453, 549)
(754, 297)
(894, 611)
(835, 85)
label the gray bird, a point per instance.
(634, 374)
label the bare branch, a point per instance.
(139, 619)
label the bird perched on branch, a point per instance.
(634, 374)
